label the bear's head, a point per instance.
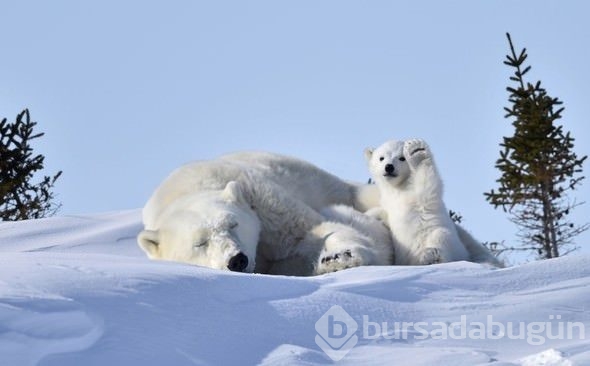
(215, 229)
(387, 163)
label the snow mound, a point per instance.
(78, 291)
(549, 357)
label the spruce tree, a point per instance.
(538, 167)
(20, 197)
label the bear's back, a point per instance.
(305, 181)
(302, 180)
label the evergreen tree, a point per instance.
(20, 198)
(538, 167)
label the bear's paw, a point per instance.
(336, 261)
(415, 151)
(431, 256)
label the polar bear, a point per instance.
(411, 193)
(370, 242)
(348, 238)
(248, 212)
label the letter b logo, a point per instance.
(336, 330)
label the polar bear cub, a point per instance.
(367, 241)
(346, 238)
(411, 193)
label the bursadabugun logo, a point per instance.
(336, 333)
(336, 330)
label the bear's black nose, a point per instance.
(389, 168)
(238, 262)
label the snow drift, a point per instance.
(78, 291)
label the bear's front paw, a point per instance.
(336, 261)
(415, 151)
(431, 256)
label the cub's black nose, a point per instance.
(238, 263)
(389, 168)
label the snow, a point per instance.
(79, 291)
(550, 357)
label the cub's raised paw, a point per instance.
(336, 261)
(431, 256)
(415, 151)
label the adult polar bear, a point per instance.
(255, 211)
(411, 193)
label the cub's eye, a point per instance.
(201, 243)
(381, 158)
(402, 158)
(233, 225)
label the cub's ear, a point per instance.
(369, 153)
(148, 241)
(232, 192)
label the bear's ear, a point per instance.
(369, 153)
(148, 241)
(232, 192)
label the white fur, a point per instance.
(478, 253)
(411, 194)
(348, 239)
(367, 225)
(338, 251)
(333, 246)
(261, 205)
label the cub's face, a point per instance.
(387, 163)
(215, 229)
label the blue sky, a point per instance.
(128, 91)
